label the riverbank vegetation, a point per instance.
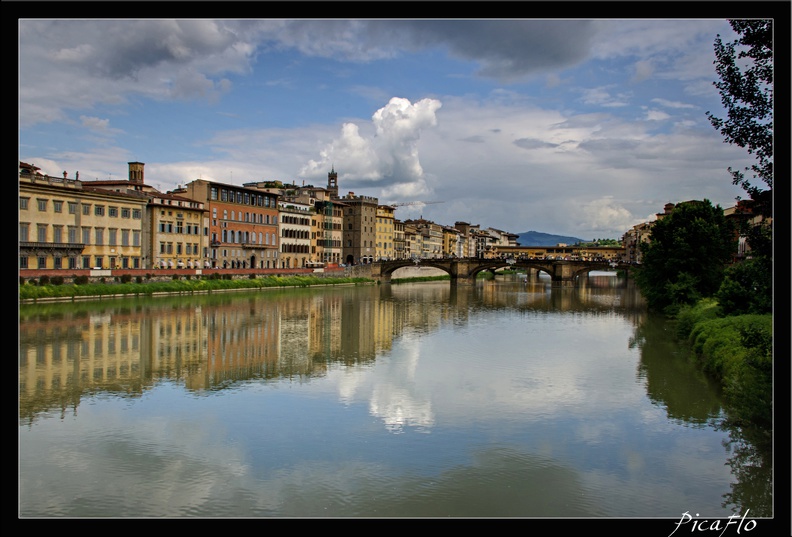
(737, 350)
(32, 291)
(724, 309)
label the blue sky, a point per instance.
(572, 127)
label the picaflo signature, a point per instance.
(720, 525)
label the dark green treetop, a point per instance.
(686, 257)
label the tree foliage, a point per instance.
(686, 256)
(747, 288)
(745, 69)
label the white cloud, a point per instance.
(656, 115)
(388, 158)
(95, 123)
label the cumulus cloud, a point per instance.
(388, 158)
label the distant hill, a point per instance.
(536, 238)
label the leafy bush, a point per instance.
(688, 316)
(44, 280)
(57, 280)
(737, 350)
(126, 278)
(80, 280)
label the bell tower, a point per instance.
(332, 183)
(136, 172)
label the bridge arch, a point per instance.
(465, 270)
(387, 268)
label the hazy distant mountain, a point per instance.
(536, 238)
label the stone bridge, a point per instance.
(464, 270)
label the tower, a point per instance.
(136, 172)
(332, 183)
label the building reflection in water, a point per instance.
(210, 342)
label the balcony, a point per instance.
(66, 248)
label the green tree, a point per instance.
(686, 256)
(747, 288)
(745, 69)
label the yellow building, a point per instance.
(452, 243)
(386, 249)
(64, 224)
(174, 227)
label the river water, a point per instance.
(499, 399)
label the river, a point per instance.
(499, 399)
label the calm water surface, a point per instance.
(502, 399)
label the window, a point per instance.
(86, 262)
(57, 206)
(99, 236)
(23, 261)
(99, 210)
(42, 204)
(113, 212)
(124, 237)
(57, 262)
(42, 262)
(57, 234)
(72, 209)
(72, 234)
(23, 203)
(125, 213)
(135, 238)
(23, 231)
(86, 209)
(112, 237)
(98, 262)
(41, 232)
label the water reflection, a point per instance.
(209, 342)
(552, 417)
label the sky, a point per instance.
(580, 128)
